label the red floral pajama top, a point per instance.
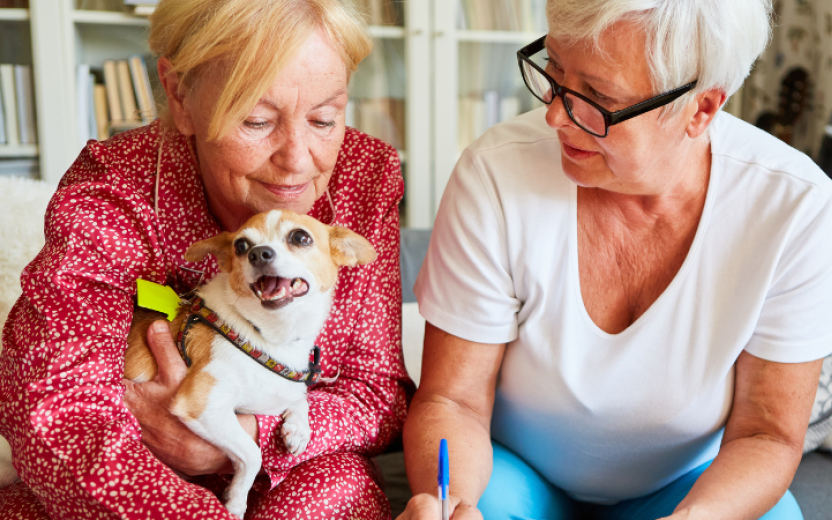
(77, 446)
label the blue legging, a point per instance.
(518, 492)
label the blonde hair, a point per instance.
(253, 39)
(712, 41)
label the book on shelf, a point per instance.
(141, 7)
(381, 117)
(144, 92)
(127, 94)
(502, 15)
(2, 120)
(478, 113)
(82, 103)
(102, 116)
(100, 5)
(87, 107)
(9, 104)
(120, 99)
(113, 96)
(18, 104)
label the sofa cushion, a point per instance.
(820, 423)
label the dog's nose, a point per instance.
(260, 255)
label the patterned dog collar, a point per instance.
(199, 313)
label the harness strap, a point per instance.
(199, 313)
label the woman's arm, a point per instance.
(454, 401)
(75, 443)
(763, 441)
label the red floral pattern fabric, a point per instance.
(76, 446)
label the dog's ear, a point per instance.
(219, 246)
(349, 248)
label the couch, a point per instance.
(812, 485)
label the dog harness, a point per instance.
(199, 313)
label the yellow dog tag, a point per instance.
(157, 297)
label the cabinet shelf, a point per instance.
(13, 14)
(387, 31)
(497, 36)
(23, 150)
(82, 16)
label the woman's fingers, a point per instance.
(172, 368)
(426, 507)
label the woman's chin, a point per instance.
(578, 175)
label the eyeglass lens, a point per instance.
(585, 115)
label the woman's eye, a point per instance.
(256, 125)
(299, 238)
(552, 64)
(323, 124)
(597, 95)
(241, 245)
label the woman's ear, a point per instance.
(175, 92)
(707, 105)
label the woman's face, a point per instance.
(639, 156)
(283, 154)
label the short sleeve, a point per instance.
(465, 286)
(795, 324)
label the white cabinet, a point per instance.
(442, 84)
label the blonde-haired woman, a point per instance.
(256, 91)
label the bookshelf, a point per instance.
(482, 85)
(16, 49)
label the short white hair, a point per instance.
(715, 42)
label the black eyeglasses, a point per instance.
(588, 115)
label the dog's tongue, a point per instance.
(270, 286)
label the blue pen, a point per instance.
(444, 480)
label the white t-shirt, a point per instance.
(608, 417)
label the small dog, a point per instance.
(266, 307)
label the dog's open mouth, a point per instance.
(276, 291)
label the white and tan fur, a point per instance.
(222, 380)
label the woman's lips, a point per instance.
(576, 153)
(287, 191)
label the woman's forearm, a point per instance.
(747, 478)
(469, 447)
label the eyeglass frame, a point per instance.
(610, 118)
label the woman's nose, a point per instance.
(292, 153)
(556, 116)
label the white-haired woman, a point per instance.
(627, 291)
(257, 91)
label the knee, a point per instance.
(515, 490)
(340, 485)
(785, 509)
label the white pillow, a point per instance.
(413, 337)
(21, 233)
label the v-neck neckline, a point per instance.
(672, 287)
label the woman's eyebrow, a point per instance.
(335, 96)
(586, 75)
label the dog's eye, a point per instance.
(299, 238)
(241, 245)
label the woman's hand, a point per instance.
(426, 507)
(162, 432)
